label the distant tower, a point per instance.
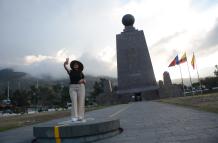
(166, 78)
(135, 71)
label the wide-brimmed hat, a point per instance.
(79, 63)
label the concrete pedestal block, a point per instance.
(71, 132)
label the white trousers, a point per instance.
(77, 95)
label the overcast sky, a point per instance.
(37, 35)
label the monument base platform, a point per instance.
(139, 94)
(77, 132)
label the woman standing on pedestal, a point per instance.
(76, 89)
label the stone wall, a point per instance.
(170, 91)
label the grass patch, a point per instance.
(11, 122)
(16, 121)
(206, 102)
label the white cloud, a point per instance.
(94, 65)
(100, 63)
(60, 57)
(36, 58)
(108, 56)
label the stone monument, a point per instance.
(167, 89)
(166, 78)
(135, 71)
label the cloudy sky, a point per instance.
(37, 35)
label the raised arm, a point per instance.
(65, 65)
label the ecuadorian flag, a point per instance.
(183, 59)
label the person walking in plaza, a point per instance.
(76, 89)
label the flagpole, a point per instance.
(8, 93)
(190, 77)
(199, 81)
(198, 76)
(177, 62)
(182, 80)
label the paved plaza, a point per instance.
(154, 122)
(144, 122)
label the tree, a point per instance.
(21, 98)
(97, 89)
(65, 97)
(34, 95)
(4, 94)
(46, 96)
(50, 96)
(210, 82)
(196, 84)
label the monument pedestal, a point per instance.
(75, 132)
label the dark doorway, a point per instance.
(138, 96)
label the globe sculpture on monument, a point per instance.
(135, 71)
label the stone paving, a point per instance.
(144, 122)
(154, 122)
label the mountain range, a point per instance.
(21, 80)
